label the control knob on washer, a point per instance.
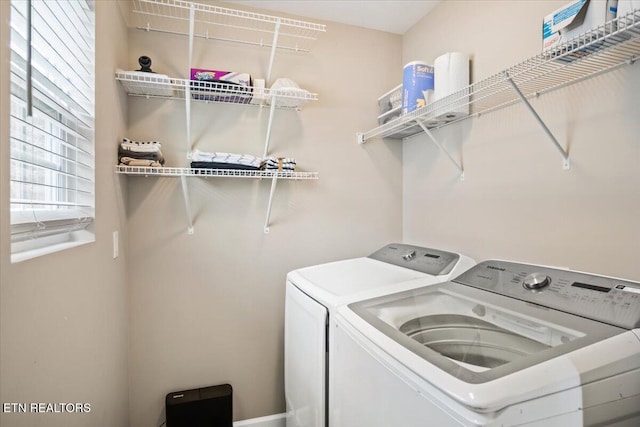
(409, 256)
(536, 281)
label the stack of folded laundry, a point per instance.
(218, 160)
(278, 163)
(136, 153)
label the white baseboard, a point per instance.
(277, 420)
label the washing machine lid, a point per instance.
(500, 317)
(478, 336)
(503, 332)
(335, 282)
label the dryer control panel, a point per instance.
(606, 299)
(430, 261)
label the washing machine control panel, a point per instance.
(601, 298)
(430, 261)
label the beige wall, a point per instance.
(516, 202)
(208, 308)
(63, 317)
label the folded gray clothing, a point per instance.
(157, 156)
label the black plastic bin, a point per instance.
(200, 407)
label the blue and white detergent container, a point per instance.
(417, 85)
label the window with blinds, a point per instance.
(52, 125)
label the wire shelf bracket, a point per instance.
(272, 110)
(187, 203)
(566, 161)
(441, 147)
(274, 45)
(274, 181)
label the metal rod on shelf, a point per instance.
(187, 87)
(187, 203)
(187, 107)
(274, 181)
(192, 19)
(271, 114)
(274, 45)
(441, 147)
(566, 164)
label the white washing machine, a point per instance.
(312, 295)
(503, 344)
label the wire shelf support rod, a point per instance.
(566, 161)
(441, 147)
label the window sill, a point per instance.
(30, 249)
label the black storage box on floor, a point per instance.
(200, 407)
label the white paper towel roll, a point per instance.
(451, 74)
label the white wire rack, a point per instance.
(219, 23)
(606, 47)
(219, 173)
(150, 85)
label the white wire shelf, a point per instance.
(219, 23)
(150, 85)
(606, 47)
(219, 173)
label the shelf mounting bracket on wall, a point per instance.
(187, 203)
(187, 83)
(187, 108)
(271, 114)
(274, 45)
(566, 161)
(441, 147)
(274, 181)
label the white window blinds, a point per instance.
(52, 121)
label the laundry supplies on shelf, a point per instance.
(137, 153)
(221, 86)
